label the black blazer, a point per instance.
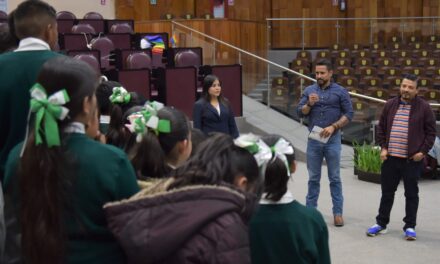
(207, 119)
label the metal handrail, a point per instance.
(245, 52)
(276, 64)
(350, 18)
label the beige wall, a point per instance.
(78, 7)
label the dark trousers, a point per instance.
(394, 169)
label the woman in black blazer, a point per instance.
(212, 112)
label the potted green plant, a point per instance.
(367, 162)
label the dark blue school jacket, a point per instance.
(207, 119)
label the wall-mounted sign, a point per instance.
(231, 2)
(153, 2)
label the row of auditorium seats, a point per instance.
(144, 62)
(178, 86)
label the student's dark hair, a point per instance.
(11, 25)
(46, 174)
(32, 17)
(117, 134)
(103, 93)
(7, 42)
(412, 77)
(197, 137)
(218, 161)
(325, 62)
(207, 83)
(150, 155)
(276, 178)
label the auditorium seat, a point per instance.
(93, 15)
(370, 81)
(97, 24)
(136, 80)
(375, 48)
(105, 46)
(83, 28)
(416, 45)
(91, 60)
(73, 41)
(121, 56)
(392, 82)
(65, 25)
(231, 77)
(279, 92)
(323, 54)
(300, 62)
(381, 53)
(413, 70)
(396, 46)
(431, 65)
(335, 49)
(432, 95)
(342, 62)
(187, 58)
(110, 22)
(344, 71)
(348, 81)
(366, 53)
(425, 82)
(138, 60)
(422, 55)
(121, 28)
(120, 40)
(384, 62)
(379, 93)
(431, 39)
(392, 72)
(65, 15)
(395, 39)
(401, 54)
(364, 71)
(363, 62)
(302, 70)
(403, 62)
(304, 54)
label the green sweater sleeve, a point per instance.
(322, 242)
(127, 183)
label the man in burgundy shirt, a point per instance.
(406, 133)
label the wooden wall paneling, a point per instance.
(124, 9)
(143, 10)
(202, 7)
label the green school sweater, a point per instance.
(288, 233)
(103, 174)
(18, 72)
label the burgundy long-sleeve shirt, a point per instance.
(421, 125)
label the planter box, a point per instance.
(368, 176)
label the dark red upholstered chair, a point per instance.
(65, 15)
(83, 28)
(91, 60)
(3, 15)
(121, 28)
(139, 60)
(105, 46)
(187, 58)
(93, 15)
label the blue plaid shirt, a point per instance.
(334, 102)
